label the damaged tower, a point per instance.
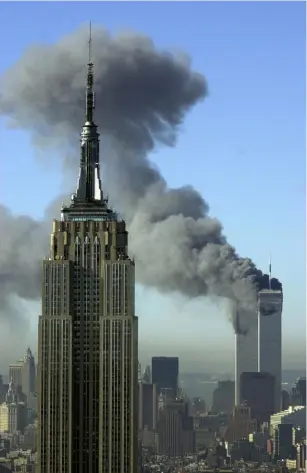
(259, 344)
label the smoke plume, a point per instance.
(142, 97)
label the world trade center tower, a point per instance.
(87, 354)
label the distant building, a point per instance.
(147, 406)
(259, 341)
(296, 416)
(257, 390)
(164, 373)
(270, 304)
(28, 374)
(15, 373)
(147, 375)
(285, 400)
(198, 406)
(301, 456)
(246, 351)
(282, 442)
(176, 436)
(298, 397)
(223, 397)
(240, 424)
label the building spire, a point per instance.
(270, 271)
(90, 103)
(89, 185)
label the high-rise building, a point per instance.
(223, 397)
(269, 338)
(87, 354)
(246, 350)
(164, 373)
(298, 394)
(15, 373)
(176, 436)
(28, 374)
(282, 441)
(147, 406)
(259, 341)
(258, 391)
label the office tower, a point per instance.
(259, 342)
(87, 355)
(240, 424)
(147, 375)
(298, 395)
(28, 374)
(164, 374)
(223, 397)
(246, 350)
(269, 338)
(148, 406)
(12, 412)
(257, 390)
(301, 463)
(285, 400)
(176, 436)
(15, 373)
(282, 441)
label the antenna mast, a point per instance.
(270, 272)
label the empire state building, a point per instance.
(87, 354)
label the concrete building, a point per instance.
(223, 397)
(257, 390)
(296, 416)
(28, 375)
(259, 340)
(88, 345)
(301, 456)
(246, 349)
(4, 418)
(270, 338)
(240, 424)
(282, 442)
(176, 436)
(164, 373)
(15, 373)
(298, 394)
(147, 406)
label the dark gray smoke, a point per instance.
(142, 96)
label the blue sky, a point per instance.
(243, 148)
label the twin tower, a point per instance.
(260, 348)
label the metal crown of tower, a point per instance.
(88, 199)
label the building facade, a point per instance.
(246, 349)
(28, 375)
(176, 436)
(164, 373)
(259, 341)
(87, 354)
(257, 390)
(270, 338)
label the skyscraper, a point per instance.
(259, 347)
(246, 351)
(164, 373)
(87, 355)
(257, 390)
(28, 374)
(269, 338)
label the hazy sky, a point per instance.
(243, 148)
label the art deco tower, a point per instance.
(87, 362)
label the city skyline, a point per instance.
(191, 320)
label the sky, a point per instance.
(243, 148)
